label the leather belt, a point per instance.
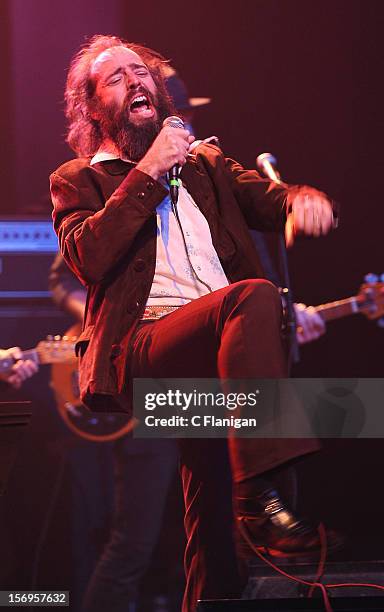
(156, 312)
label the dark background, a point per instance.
(299, 78)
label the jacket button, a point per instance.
(141, 195)
(150, 185)
(139, 265)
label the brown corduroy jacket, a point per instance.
(105, 218)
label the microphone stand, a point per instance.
(293, 347)
(293, 352)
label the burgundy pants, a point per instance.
(234, 332)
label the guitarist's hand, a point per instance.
(21, 370)
(310, 325)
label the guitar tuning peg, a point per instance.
(380, 322)
(371, 278)
(49, 337)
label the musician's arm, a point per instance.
(67, 291)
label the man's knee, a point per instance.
(258, 290)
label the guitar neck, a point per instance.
(338, 309)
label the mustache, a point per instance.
(133, 141)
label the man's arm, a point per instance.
(262, 202)
(95, 235)
(67, 291)
(271, 206)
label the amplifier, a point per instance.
(341, 604)
(27, 250)
(14, 417)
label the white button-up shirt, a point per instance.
(181, 264)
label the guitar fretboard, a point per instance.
(338, 309)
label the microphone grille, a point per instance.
(265, 157)
(174, 122)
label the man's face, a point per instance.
(123, 80)
(128, 105)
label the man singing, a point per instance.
(178, 292)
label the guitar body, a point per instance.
(96, 427)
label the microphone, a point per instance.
(266, 163)
(173, 173)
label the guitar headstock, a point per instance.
(57, 349)
(371, 297)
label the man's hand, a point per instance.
(309, 212)
(310, 325)
(169, 148)
(21, 370)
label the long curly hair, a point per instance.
(84, 135)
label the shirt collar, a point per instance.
(101, 156)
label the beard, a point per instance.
(132, 140)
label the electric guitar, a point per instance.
(60, 352)
(55, 349)
(93, 426)
(104, 427)
(369, 301)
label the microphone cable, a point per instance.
(316, 583)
